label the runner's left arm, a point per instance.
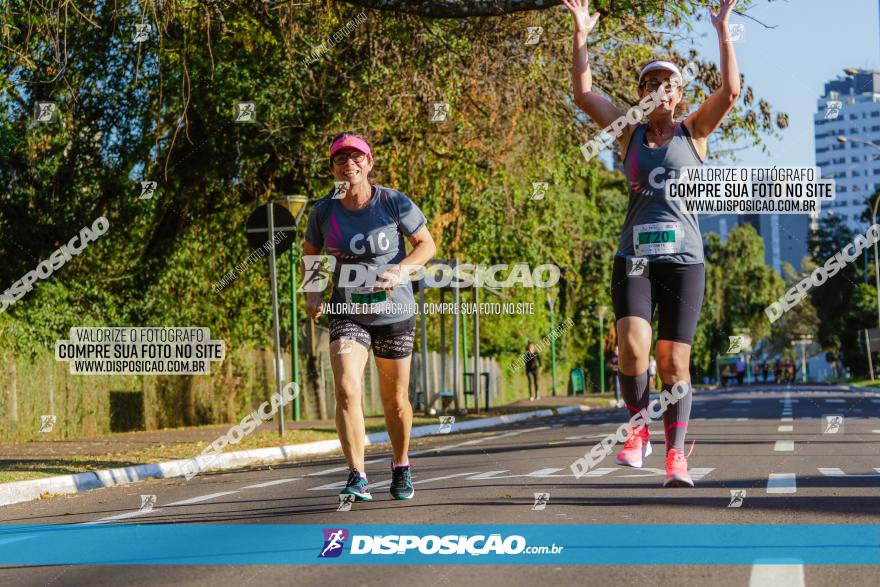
(709, 115)
(423, 250)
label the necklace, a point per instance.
(658, 132)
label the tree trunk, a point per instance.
(456, 8)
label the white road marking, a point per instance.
(486, 475)
(481, 440)
(600, 472)
(784, 446)
(785, 429)
(271, 483)
(600, 435)
(137, 513)
(124, 516)
(777, 575)
(742, 401)
(200, 498)
(781, 483)
(742, 419)
(334, 485)
(548, 473)
(696, 473)
(786, 419)
(340, 469)
(443, 478)
(835, 401)
(836, 472)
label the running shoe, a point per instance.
(677, 470)
(401, 483)
(357, 486)
(636, 448)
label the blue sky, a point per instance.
(812, 43)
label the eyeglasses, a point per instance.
(341, 158)
(653, 84)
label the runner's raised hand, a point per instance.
(580, 10)
(721, 17)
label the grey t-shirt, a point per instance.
(655, 227)
(373, 236)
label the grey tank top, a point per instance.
(655, 227)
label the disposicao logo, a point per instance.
(334, 542)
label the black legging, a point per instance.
(533, 380)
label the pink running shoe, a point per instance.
(636, 448)
(677, 470)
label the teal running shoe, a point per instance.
(401, 483)
(357, 486)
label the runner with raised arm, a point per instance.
(657, 230)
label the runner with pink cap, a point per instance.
(365, 225)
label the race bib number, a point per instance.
(660, 238)
(364, 295)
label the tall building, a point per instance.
(846, 123)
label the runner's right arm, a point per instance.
(596, 106)
(313, 298)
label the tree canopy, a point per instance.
(162, 110)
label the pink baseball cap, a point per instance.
(350, 142)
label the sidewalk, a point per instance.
(127, 457)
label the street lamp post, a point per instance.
(550, 301)
(601, 310)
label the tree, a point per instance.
(456, 9)
(841, 301)
(162, 110)
(739, 285)
(799, 322)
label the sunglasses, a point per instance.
(653, 84)
(341, 158)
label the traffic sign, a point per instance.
(257, 231)
(873, 335)
(272, 228)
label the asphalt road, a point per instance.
(771, 441)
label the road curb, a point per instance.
(19, 491)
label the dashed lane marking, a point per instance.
(782, 483)
(777, 574)
(837, 472)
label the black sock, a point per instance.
(634, 389)
(676, 417)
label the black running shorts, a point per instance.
(676, 289)
(389, 341)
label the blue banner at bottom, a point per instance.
(497, 544)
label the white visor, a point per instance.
(664, 65)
